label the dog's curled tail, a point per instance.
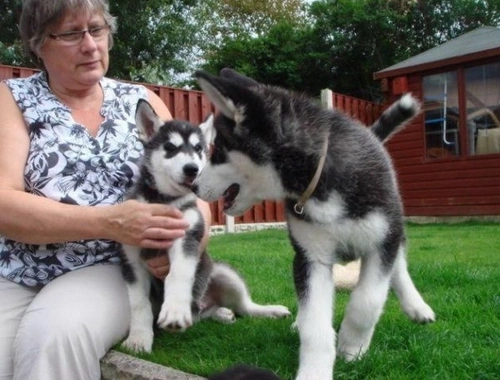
(395, 118)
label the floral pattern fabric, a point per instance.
(67, 164)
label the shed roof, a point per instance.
(480, 42)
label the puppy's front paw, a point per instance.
(352, 346)
(421, 313)
(139, 341)
(177, 317)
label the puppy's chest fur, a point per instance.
(146, 192)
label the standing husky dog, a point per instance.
(174, 155)
(341, 200)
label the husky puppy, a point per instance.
(341, 200)
(196, 287)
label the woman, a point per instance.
(68, 152)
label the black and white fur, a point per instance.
(267, 146)
(196, 287)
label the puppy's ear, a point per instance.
(238, 78)
(146, 119)
(231, 98)
(218, 91)
(208, 130)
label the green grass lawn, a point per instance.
(455, 266)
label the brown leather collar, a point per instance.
(299, 206)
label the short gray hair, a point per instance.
(38, 16)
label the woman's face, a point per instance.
(81, 62)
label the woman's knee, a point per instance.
(85, 311)
(51, 349)
(47, 336)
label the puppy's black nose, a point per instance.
(190, 170)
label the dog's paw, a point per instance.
(267, 311)
(353, 349)
(139, 341)
(353, 342)
(278, 311)
(350, 353)
(224, 315)
(421, 313)
(177, 317)
(315, 372)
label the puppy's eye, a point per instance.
(169, 147)
(198, 148)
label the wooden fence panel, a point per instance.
(363, 110)
(7, 72)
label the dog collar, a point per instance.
(299, 206)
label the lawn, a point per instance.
(455, 266)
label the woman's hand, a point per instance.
(159, 266)
(145, 225)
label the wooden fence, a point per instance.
(7, 72)
(363, 110)
(194, 106)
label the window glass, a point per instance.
(482, 92)
(441, 115)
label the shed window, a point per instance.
(441, 115)
(462, 112)
(482, 94)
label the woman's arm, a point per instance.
(37, 220)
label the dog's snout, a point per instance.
(191, 170)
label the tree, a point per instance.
(433, 22)
(346, 41)
(228, 25)
(362, 36)
(169, 38)
(10, 47)
(153, 39)
(232, 18)
(286, 56)
(318, 55)
(329, 43)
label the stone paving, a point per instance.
(119, 366)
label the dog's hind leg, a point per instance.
(228, 287)
(314, 286)
(140, 337)
(410, 299)
(221, 314)
(364, 308)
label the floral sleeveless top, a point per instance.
(67, 164)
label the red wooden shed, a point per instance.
(448, 160)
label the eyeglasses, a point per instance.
(73, 38)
